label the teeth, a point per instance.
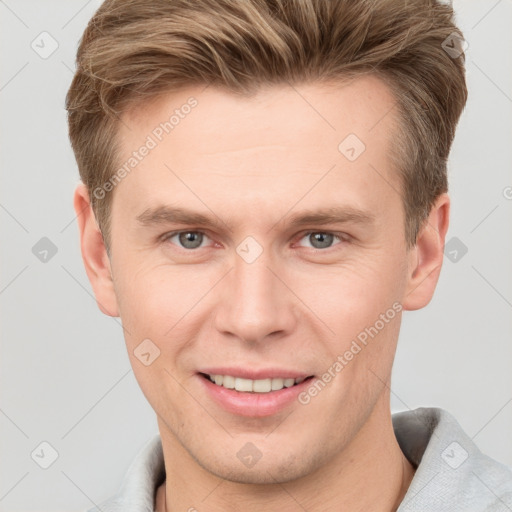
(228, 382)
(277, 384)
(243, 384)
(262, 386)
(253, 386)
(288, 383)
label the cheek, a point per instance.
(163, 303)
(351, 297)
(158, 306)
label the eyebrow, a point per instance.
(169, 215)
(334, 215)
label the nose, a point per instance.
(253, 304)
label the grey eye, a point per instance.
(190, 239)
(321, 240)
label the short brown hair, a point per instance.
(133, 50)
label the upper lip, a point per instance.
(256, 374)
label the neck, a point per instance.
(369, 474)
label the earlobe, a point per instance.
(94, 253)
(426, 257)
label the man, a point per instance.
(264, 194)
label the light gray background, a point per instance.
(65, 376)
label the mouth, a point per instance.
(244, 385)
(252, 392)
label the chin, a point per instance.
(271, 468)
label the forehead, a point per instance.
(362, 104)
(206, 142)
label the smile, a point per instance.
(253, 386)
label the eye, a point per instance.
(187, 239)
(320, 239)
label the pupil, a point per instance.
(321, 240)
(191, 240)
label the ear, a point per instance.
(426, 257)
(94, 253)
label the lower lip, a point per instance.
(254, 405)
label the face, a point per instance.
(259, 244)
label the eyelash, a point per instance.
(341, 237)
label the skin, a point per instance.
(252, 164)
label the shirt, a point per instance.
(452, 474)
